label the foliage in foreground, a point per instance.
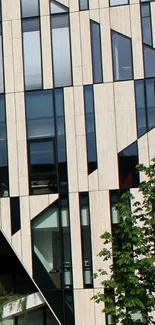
(130, 288)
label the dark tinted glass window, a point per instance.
(15, 214)
(84, 4)
(146, 24)
(140, 107)
(96, 52)
(122, 57)
(1, 63)
(149, 59)
(150, 102)
(90, 128)
(4, 181)
(128, 160)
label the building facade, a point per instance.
(77, 111)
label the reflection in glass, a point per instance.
(86, 239)
(57, 8)
(128, 160)
(1, 65)
(118, 2)
(90, 128)
(96, 52)
(146, 24)
(34, 317)
(84, 4)
(149, 59)
(29, 8)
(61, 50)
(140, 107)
(150, 101)
(32, 55)
(122, 57)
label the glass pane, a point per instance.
(33, 318)
(30, 25)
(147, 36)
(122, 58)
(61, 52)
(118, 2)
(30, 8)
(57, 8)
(150, 98)
(140, 108)
(50, 318)
(42, 153)
(96, 52)
(67, 266)
(145, 10)
(1, 67)
(128, 160)
(84, 5)
(149, 59)
(32, 60)
(39, 111)
(89, 99)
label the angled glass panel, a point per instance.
(122, 57)
(29, 8)
(150, 100)
(32, 60)
(61, 51)
(149, 59)
(1, 67)
(40, 115)
(140, 107)
(84, 4)
(96, 52)
(57, 8)
(128, 160)
(118, 2)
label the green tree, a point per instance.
(130, 283)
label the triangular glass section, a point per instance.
(57, 8)
(149, 59)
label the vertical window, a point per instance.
(61, 140)
(32, 53)
(146, 24)
(90, 128)
(30, 8)
(128, 160)
(41, 142)
(84, 4)
(122, 57)
(149, 59)
(86, 240)
(1, 61)
(118, 2)
(145, 105)
(4, 180)
(96, 52)
(140, 107)
(61, 45)
(15, 214)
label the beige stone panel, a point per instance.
(17, 55)
(103, 95)
(99, 316)
(27, 252)
(16, 243)
(8, 56)
(120, 19)
(93, 181)
(152, 4)
(82, 163)
(46, 52)
(38, 204)
(25, 215)
(86, 47)
(44, 7)
(5, 217)
(10, 9)
(76, 248)
(12, 144)
(94, 15)
(79, 100)
(23, 167)
(106, 45)
(64, 2)
(74, 5)
(84, 307)
(103, 3)
(143, 153)
(151, 141)
(134, 1)
(93, 4)
(136, 42)
(76, 48)
(71, 140)
(20, 107)
(52, 198)
(80, 124)
(125, 114)
(21, 130)
(100, 222)
(108, 176)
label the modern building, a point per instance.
(77, 114)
